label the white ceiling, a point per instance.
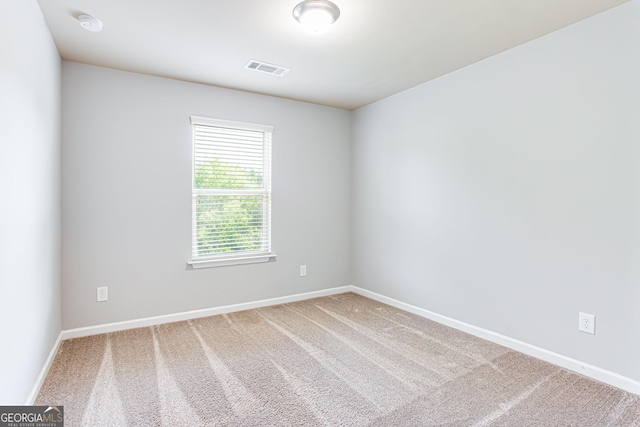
(375, 49)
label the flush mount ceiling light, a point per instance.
(316, 15)
(90, 23)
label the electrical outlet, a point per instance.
(587, 323)
(303, 270)
(102, 294)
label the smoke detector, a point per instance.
(90, 23)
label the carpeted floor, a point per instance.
(343, 360)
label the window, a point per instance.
(231, 198)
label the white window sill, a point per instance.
(223, 262)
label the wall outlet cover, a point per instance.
(587, 323)
(102, 294)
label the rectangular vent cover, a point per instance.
(263, 67)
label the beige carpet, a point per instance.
(343, 360)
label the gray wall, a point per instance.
(507, 194)
(126, 196)
(29, 197)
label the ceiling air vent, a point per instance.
(263, 67)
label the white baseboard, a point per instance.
(43, 372)
(195, 314)
(590, 371)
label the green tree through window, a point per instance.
(228, 223)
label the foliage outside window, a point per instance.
(231, 212)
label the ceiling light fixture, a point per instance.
(90, 23)
(316, 15)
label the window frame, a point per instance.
(221, 259)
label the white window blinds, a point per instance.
(231, 212)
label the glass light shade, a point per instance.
(316, 15)
(316, 20)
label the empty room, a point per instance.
(345, 212)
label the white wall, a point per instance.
(29, 196)
(126, 196)
(507, 194)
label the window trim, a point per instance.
(224, 262)
(223, 259)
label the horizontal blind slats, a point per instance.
(230, 166)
